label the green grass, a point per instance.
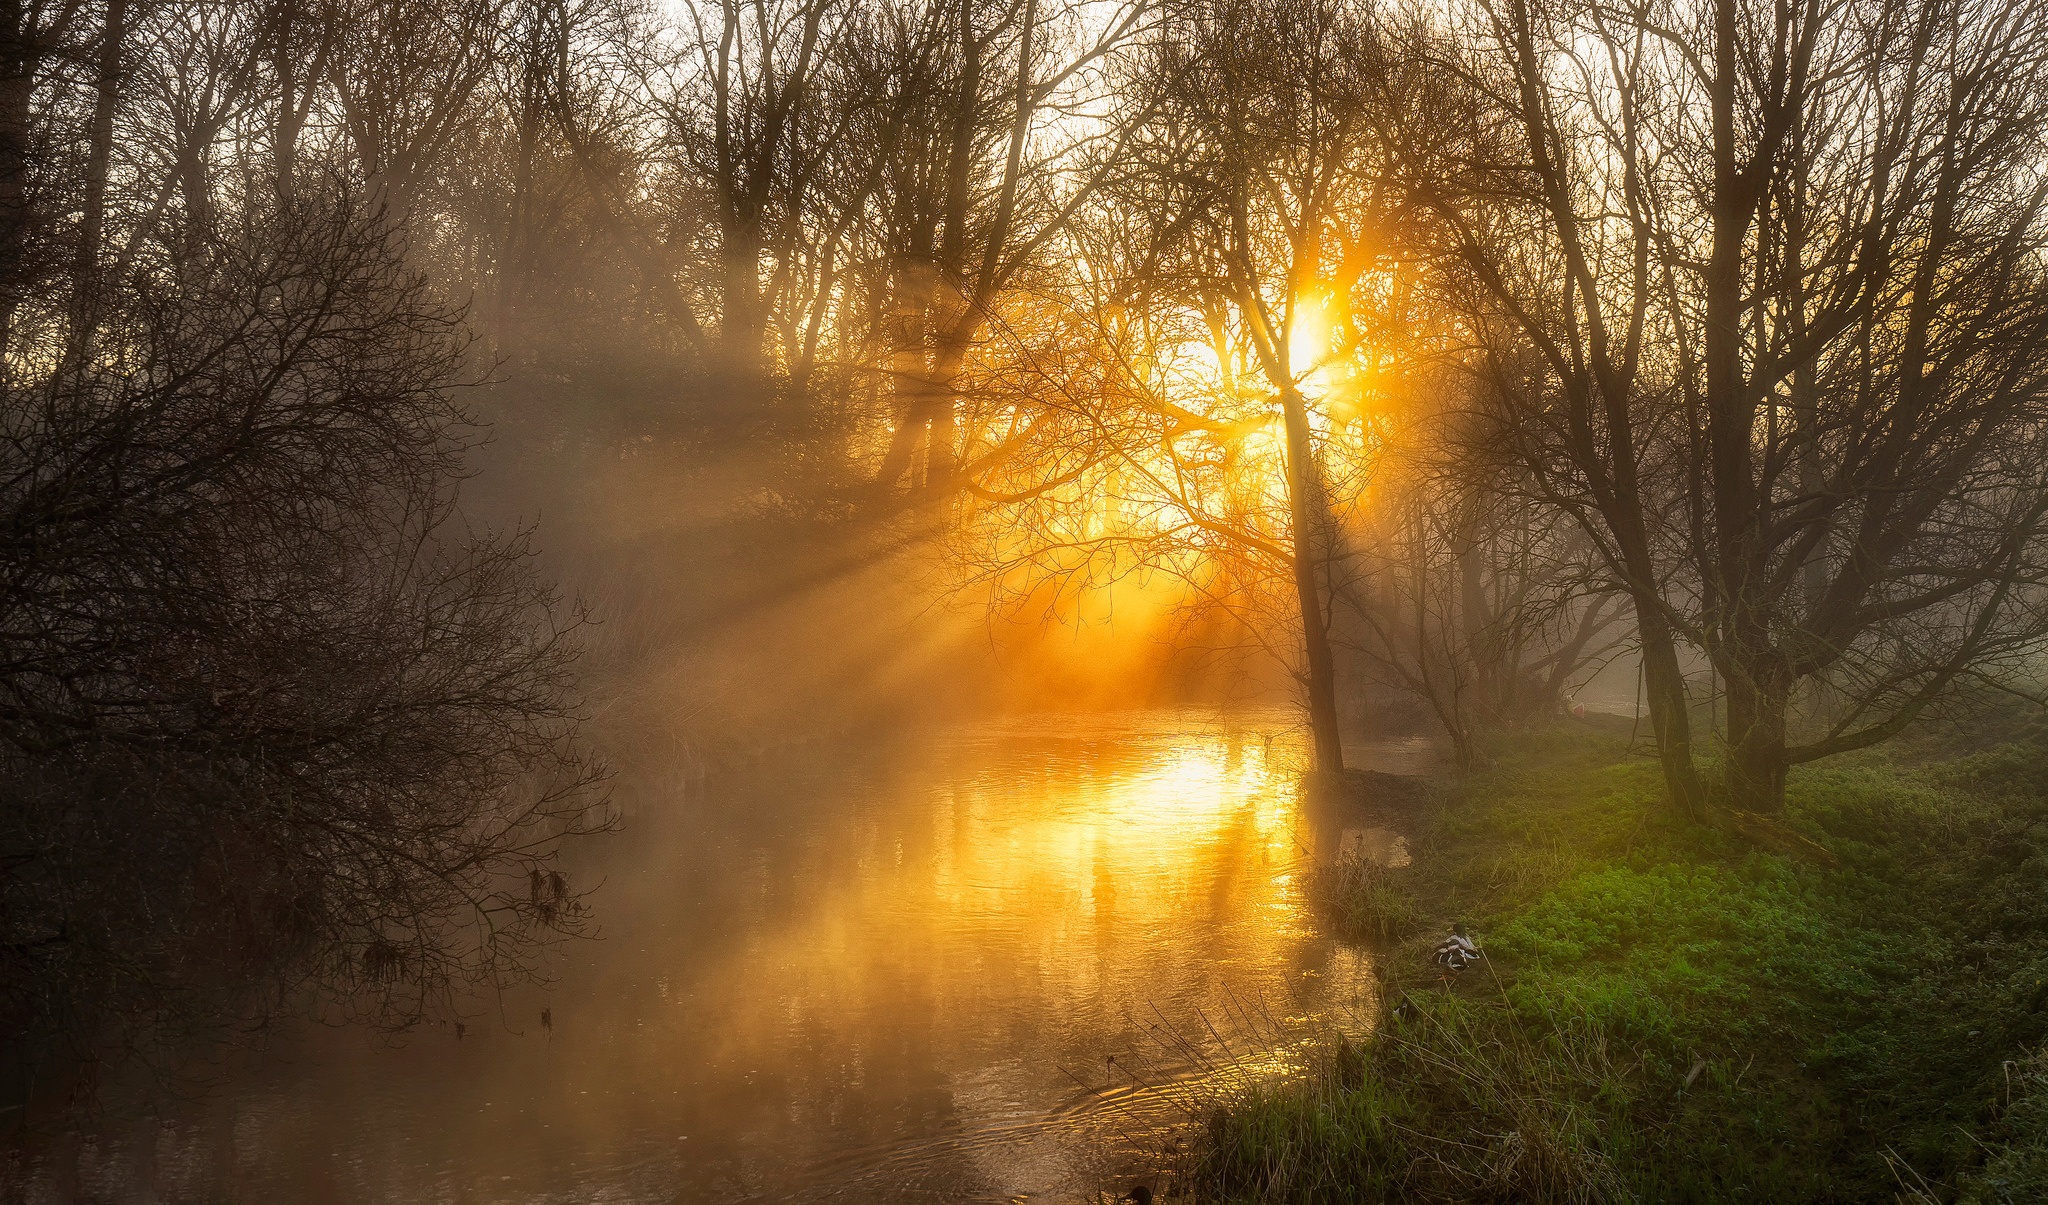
(1668, 1014)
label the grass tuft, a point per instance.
(1363, 898)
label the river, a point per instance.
(1003, 961)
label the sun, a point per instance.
(1308, 339)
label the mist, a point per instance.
(982, 600)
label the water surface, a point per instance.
(1002, 962)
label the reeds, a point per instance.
(1362, 898)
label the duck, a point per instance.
(1456, 952)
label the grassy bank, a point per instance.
(1669, 1014)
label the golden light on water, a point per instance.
(988, 931)
(1005, 866)
(1081, 887)
(1018, 957)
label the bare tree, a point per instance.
(407, 78)
(272, 718)
(1278, 209)
(1768, 318)
(279, 729)
(984, 179)
(33, 37)
(1483, 602)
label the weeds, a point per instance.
(2016, 1168)
(1363, 899)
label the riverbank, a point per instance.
(1667, 1013)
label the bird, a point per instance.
(547, 1019)
(1456, 952)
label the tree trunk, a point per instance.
(1755, 686)
(291, 117)
(515, 276)
(907, 368)
(1310, 520)
(19, 55)
(744, 322)
(1670, 718)
(942, 399)
(85, 283)
(1757, 702)
(1475, 621)
(1663, 679)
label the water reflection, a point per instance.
(994, 964)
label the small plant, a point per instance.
(1360, 897)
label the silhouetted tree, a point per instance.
(1768, 319)
(278, 730)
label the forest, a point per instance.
(1572, 468)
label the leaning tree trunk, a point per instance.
(1663, 679)
(1310, 519)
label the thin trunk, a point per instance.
(85, 295)
(1474, 621)
(1305, 506)
(285, 139)
(19, 54)
(908, 371)
(1670, 718)
(943, 459)
(960, 161)
(516, 276)
(739, 242)
(512, 280)
(943, 468)
(291, 109)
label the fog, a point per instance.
(1255, 600)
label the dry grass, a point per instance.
(1363, 898)
(1448, 1102)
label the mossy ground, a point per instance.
(1669, 1014)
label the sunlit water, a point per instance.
(1005, 962)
